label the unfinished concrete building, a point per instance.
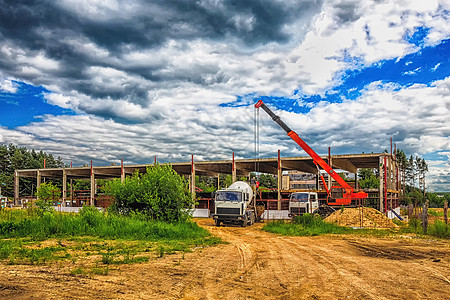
(384, 198)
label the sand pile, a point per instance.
(360, 217)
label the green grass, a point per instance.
(435, 213)
(308, 225)
(116, 239)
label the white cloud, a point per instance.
(8, 86)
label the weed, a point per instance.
(108, 257)
(160, 251)
(78, 271)
(100, 270)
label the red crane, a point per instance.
(343, 194)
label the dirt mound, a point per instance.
(360, 217)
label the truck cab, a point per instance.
(232, 205)
(303, 202)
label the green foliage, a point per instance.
(368, 179)
(161, 194)
(47, 193)
(206, 184)
(267, 180)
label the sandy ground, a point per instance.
(256, 265)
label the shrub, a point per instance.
(160, 194)
(46, 194)
(439, 229)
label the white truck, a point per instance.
(303, 203)
(232, 205)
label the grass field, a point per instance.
(308, 225)
(38, 238)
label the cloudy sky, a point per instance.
(105, 80)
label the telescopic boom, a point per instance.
(347, 194)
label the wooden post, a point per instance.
(385, 186)
(446, 212)
(425, 217)
(64, 188)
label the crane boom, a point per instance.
(347, 193)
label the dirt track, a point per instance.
(256, 264)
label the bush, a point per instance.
(439, 229)
(160, 194)
(46, 194)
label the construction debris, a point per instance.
(360, 217)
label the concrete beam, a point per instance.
(344, 164)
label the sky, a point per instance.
(104, 80)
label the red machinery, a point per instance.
(343, 194)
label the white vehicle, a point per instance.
(232, 205)
(303, 203)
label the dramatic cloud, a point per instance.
(146, 78)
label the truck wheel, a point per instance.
(217, 222)
(244, 222)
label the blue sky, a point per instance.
(120, 81)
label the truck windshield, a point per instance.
(300, 197)
(228, 196)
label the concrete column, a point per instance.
(356, 179)
(381, 191)
(38, 179)
(193, 178)
(16, 188)
(233, 170)
(92, 189)
(92, 203)
(279, 181)
(218, 181)
(71, 192)
(122, 171)
(64, 188)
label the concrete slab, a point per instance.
(275, 215)
(200, 213)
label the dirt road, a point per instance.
(257, 265)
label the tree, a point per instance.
(368, 179)
(161, 194)
(268, 181)
(47, 193)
